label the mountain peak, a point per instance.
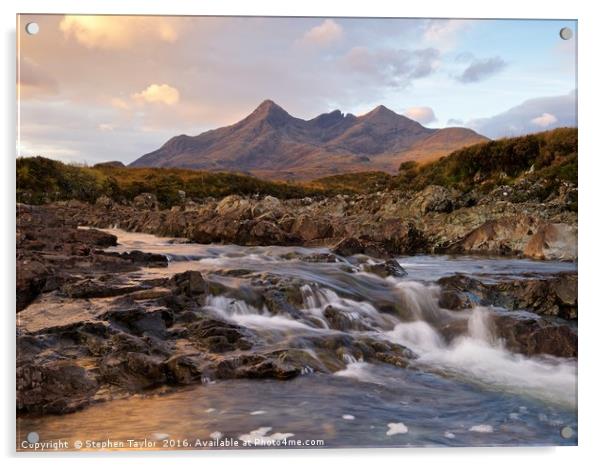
(272, 112)
(270, 141)
(381, 110)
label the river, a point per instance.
(470, 391)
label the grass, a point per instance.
(550, 157)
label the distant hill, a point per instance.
(271, 143)
(549, 157)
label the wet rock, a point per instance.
(268, 368)
(454, 300)
(219, 337)
(185, 369)
(536, 336)
(146, 259)
(133, 371)
(140, 321)
(552, 296)
(324, 257)
(341, 320)
(94, 237)
(389, 268)
(57, 387)
(93, 288)
(190, 283)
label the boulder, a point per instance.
(553, 241)
(57, 387)
(234, 207)
(310, 228)
(190, 283)
(146, 201)
(434, 198)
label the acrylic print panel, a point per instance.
(255, 232)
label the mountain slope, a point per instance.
(271, 143)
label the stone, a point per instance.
(146, 201)
(389, 268)
(190, 283)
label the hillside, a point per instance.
(549, 157)
(271, 143)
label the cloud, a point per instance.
(394, 68)
(158, 93)
(119, 103)
(423, 115)
(481, 69)
(442, 33)
(33, 81)
(544, 120)
(116, 32)
(454, 122)
(324, 34)
(530, 116)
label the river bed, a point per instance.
(468, 392)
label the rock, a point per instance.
(219, 337)
(339, 319)
(234, 206)
(351, 246)
(552, 296)
(309, 228)
(57, 387)
(133, 371)
(146, 201)
(536, 336)
(270, 206)
(268, 233)
(31, 280)
(434, 199)
(91, 288)
(553, 241)
(389, 268)
(507, 235)
(190, 283)
(185, 369)
(323, 258)
(104, 202)
(268, 367)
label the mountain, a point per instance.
(273, 144)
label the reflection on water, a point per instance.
(344, 411)
(470, 391)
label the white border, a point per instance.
(590, 179)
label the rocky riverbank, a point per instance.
(95, 325)
(508, 221)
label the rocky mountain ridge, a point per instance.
(273, 144)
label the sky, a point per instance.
(100, 88)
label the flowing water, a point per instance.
(465, 392)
